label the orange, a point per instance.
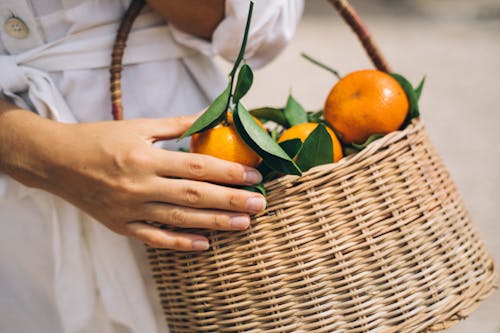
(302, 131)
(364, 103)
(223, 142)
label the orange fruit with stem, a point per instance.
(302, 131)
(224, 142)
(364, 103)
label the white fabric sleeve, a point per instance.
(273, 26)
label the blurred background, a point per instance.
(456, 45)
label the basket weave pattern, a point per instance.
(379, 242)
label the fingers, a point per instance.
(204, 167)
(166, 128)
(195, 194)
(165, 239)
(185, 217)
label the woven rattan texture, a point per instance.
(379, 242)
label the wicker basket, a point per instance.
(378, 242)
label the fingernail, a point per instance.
(256, 204)
(200, 245)
(239, 222)
(252, 177)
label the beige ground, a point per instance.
(460, 105)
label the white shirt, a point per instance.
(61, 271)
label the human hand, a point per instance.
(112, 171)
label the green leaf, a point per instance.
(266, 172)
(255, 137)
(357, 147)
(361, 146)
(349, 150)
(418, 91)
(413, 112)
(263, 169)
(273, 114)
(291, 147)
(212, 116)
(315, 117)
(316, 150)
(259, 188)
(294, 112)
(275, 133)
(244, 42)
(245, 79)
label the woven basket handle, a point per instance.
(351, 17)
(343, 7)
(117, 57)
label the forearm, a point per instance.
(196, 17)
(25, 142)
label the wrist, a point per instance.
(27, 145)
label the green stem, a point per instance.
(322, 65)
(244, 42)
(241, 53)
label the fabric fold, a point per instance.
(272, 27)
(113, 259)
(103, 264)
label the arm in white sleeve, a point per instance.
(273, 26)
(9, 188)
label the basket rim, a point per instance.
(416, 125)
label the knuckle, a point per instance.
(155, 241)
(127, 186)
(134, 158)
(176, 244)
(178, 217)
(236, 173)
(192, 195)
(196, 166)
(220, 221)
(235, 201)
